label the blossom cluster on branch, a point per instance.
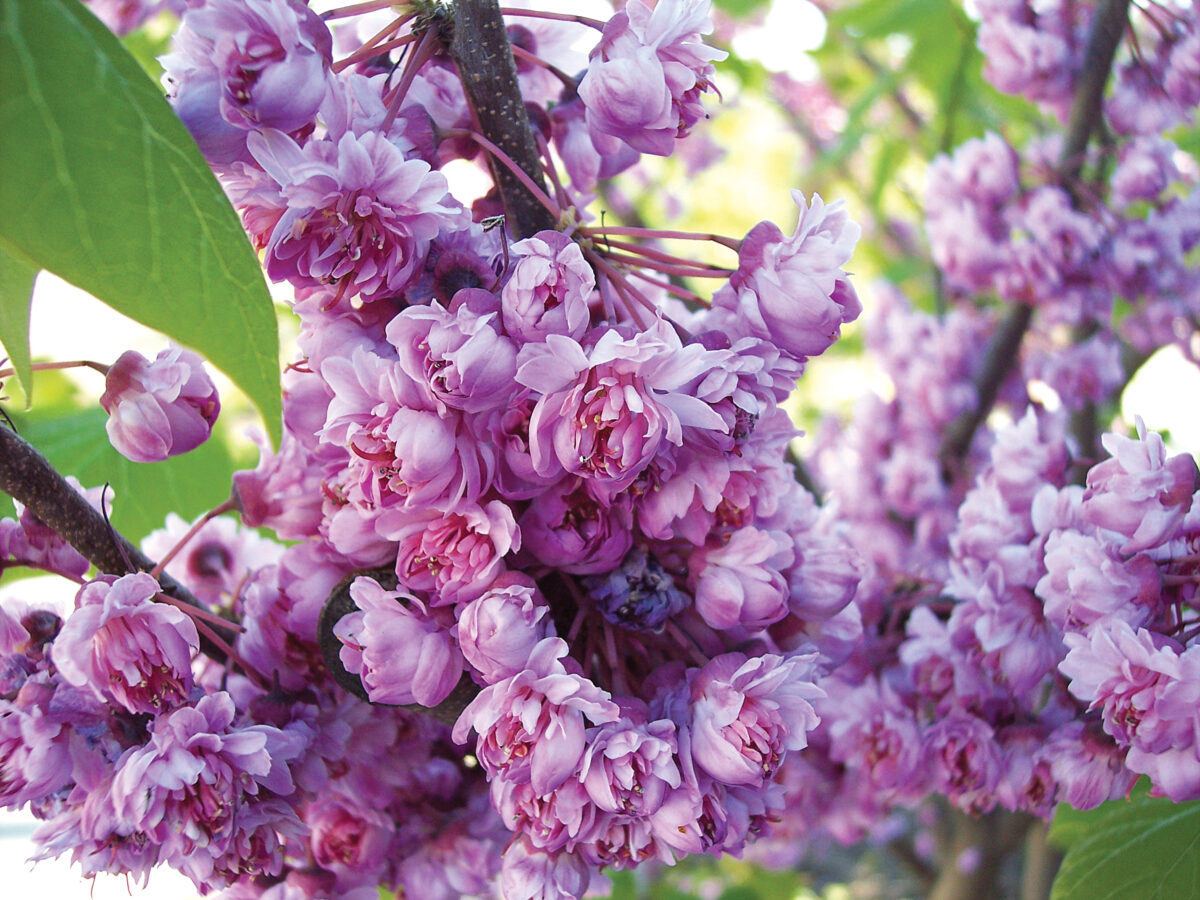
(533, 502)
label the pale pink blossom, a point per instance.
(123, 646)
(161, 408)
(400, 650)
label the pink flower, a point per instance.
(747, 712)
(1088, 767)
(792, 291)
(740, 581)
(498, 631)
(348, 838)
(630, 767)
(159, 409)
(402, 652)
(455, 555)
(216, 559)
(1139, 492)
(402, 452)
(646, 76)
(872, 731)
(1086, 581)
(606, 412)
(199, 770)
(1125, 674)
(358, 214)
(533, 874)
(548, 290)
(270, 56)
(459, 359)
(122, 645)
(531, 725)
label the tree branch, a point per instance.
(478, 44)
(1108, 25)
(26, 476)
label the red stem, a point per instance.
(200, 523)
(356, 8)
(693, 271)
(559, 17)
(654, 234)
(73, 364)
(505, 160)
(368, 50)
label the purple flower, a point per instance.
(1139, 492)
(498, 631)
(792, 291)
(824, 577)
(568, 528)
(35, 748)
(646, 76)
(630, 767)
(197, 771)
(605, 412)
(740, 581)
(531, 725)
(548, 290)
(965, 760)
(269, 58)
(402, 652)
(638, 594)
(27, 540)
(159, 409)
(747, 712)
(358, 213)
(122, 645)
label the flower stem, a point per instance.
(200, 523)
(558, 17)
(72, 364)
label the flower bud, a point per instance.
(159, 409)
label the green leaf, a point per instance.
(104, 186)
(1144, 847)
(741, 8)
(16, 290)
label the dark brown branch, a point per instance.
(26, 476)
(478, 44)
(1108, 25)
(997, 363)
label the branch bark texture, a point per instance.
(479, 46)
(28, 477)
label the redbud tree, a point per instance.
(536, 590)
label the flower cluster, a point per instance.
(553, 599)
(547, 483)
